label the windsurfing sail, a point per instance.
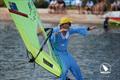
(27, 21)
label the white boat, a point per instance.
(114, 16)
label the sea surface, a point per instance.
(91, 52)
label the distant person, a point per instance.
(106, 24)
(118, 5)
(60, 6)
(114, 6)
(99, 8)
(78, 4)
(89, 6)
(52, 6)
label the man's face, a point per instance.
(65, 26)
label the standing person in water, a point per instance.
(106, 24)
(59, 41)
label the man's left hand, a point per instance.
(92, 27)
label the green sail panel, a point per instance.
(27, 21)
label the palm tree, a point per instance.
(1, 3)
(40, 3)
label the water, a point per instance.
(90, 52)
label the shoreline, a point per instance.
(54, 18)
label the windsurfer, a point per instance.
(59, 42)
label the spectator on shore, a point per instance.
(99, 8)
(114, 6)
(118, 5)
(89, 6)
(52, 6)
(60, 6)
(78, 5)
(102, 7)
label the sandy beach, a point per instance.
(54, 18)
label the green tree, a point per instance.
(41, 3)
(1, 3)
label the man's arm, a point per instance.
(91, 28)
(82, 30)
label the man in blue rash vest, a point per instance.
(59, 41)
